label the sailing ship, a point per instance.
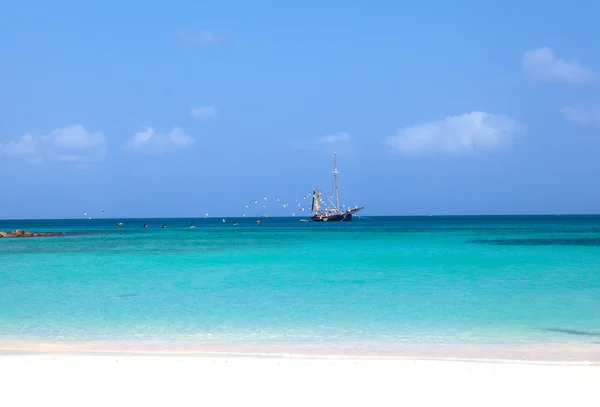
(334, 213)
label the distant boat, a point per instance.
(335, 213)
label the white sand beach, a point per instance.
(127, 380)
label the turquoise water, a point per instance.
(485, 280)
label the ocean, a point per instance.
(504, 280)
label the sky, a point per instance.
(174, 109)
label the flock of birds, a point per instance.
(302, 204)
(261, 207)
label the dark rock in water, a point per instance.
(24, 233)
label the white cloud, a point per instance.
(150, 142)
(467, 133)
(203, 112)
(334, 138)
(25, 146)
(543, 64)
(586, 116)
(72, 144)
(202, 37)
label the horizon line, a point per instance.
(302, 217)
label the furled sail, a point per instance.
(316, 203)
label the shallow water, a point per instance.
(429, 280)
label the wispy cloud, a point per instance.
(201, 37)
(341, 142)
(544, 65)
(585, 116)
(149, 141)
(70, 144)
(456, 135)
(335, 138)
(203, 112)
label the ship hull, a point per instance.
(336, 217)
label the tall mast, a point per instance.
(335, 174)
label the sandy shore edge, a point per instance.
(93, 380)
(533, 353)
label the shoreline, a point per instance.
(546, 353)
(79, 380)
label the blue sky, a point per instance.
(179, 108)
